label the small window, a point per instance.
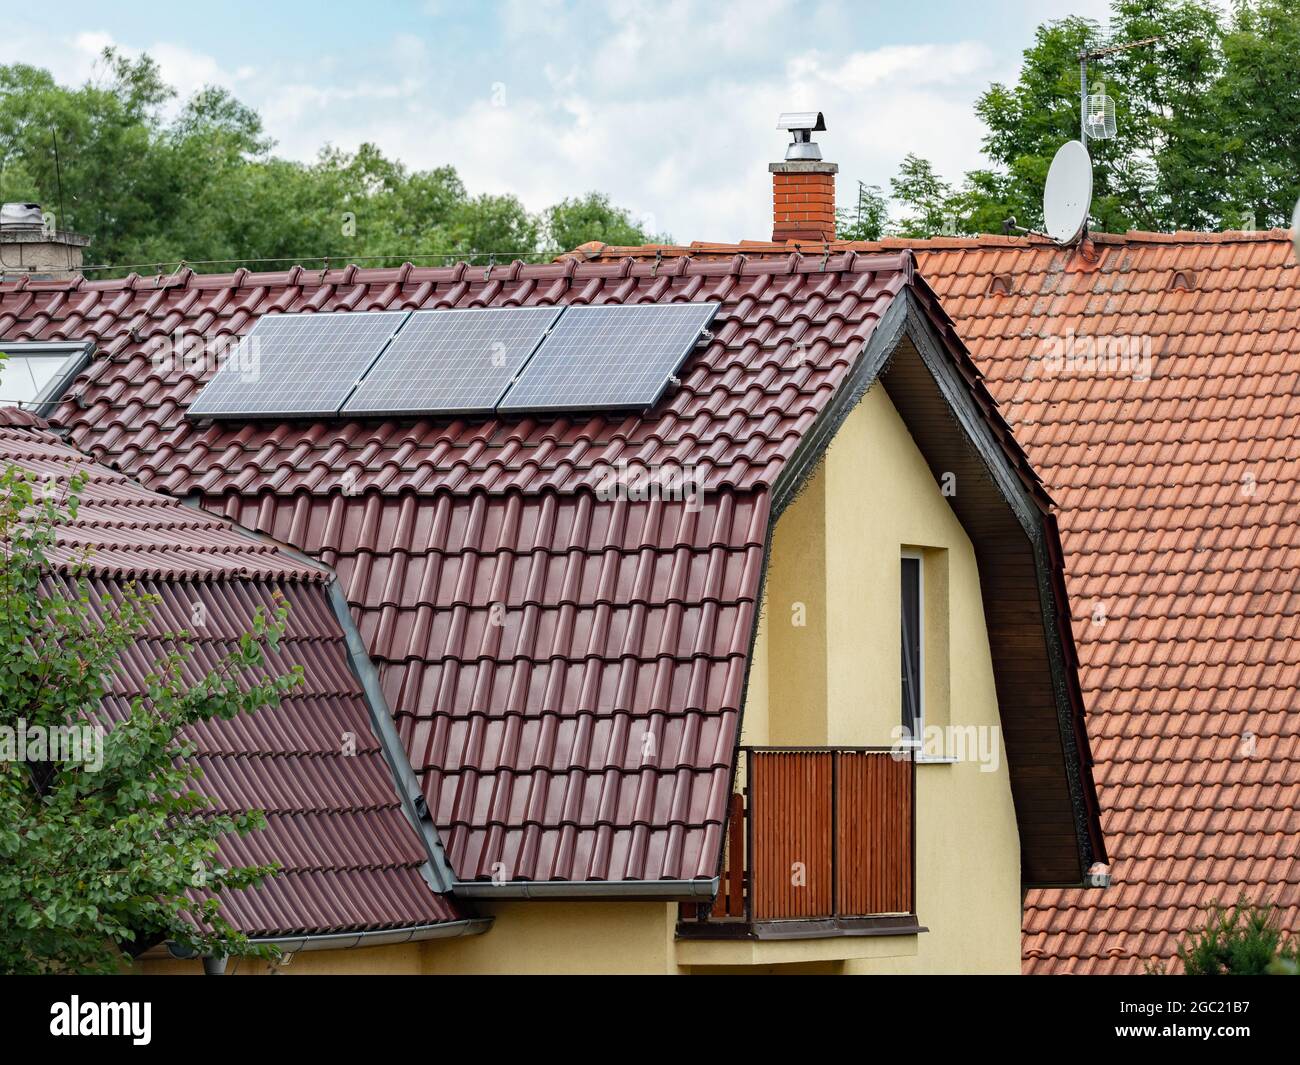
(913, 636)
(34, 376)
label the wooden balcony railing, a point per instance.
(819, 839)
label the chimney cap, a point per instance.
(21, 215)
(805, 120)
(802, 125)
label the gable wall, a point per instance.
(835, 679)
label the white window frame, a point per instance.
(76, 354)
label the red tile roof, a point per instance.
(352, 861)
(620, 619)
(1180, 512)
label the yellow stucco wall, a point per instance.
(835, 679)
(825, 671)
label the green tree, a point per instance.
(1206, 119)
(1256, 104)
(205, 186)
(99, 852)
(573, 222)
(867, 220)
(927, 198)
(1245, 940)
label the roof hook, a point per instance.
(487, 274)
(826, 256)
(659, 256)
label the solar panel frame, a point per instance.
(637, 357)
(302, 365)
(442, 361)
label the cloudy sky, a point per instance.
(668, 106)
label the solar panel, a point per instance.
(609, 357)
(447, 361)
(297, 364)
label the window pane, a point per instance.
(911, 645)
(23, 376)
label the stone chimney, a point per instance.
(31, 246)
(803, 186)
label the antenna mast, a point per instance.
(1098, 53)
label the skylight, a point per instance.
(34, 375)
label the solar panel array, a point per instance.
(297, 364)
(456, 362)
(453, 362)
(609, 357)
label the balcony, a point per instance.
(820, 843)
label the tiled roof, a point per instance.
(1179, 506)
(566, 670)
(352, 861)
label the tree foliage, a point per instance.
(1206, 125)
(152, 183)
(868, 218)
(99, 853)
(1245, 940)
(575, 221)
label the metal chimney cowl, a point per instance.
(802, 125)
(21, 216)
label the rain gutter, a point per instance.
(381, 937)
(628, 890)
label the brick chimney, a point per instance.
(803, 186)
(31, 245)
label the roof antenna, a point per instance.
(1097, 112)
(58, 174)
(1067, 195)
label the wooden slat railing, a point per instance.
(818, 833)
(791, 814)
(873, 847)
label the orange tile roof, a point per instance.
(1179, 502)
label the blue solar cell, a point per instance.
(297, 364)
(452, 361)
(609, 357)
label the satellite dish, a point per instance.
(1068, 193)
(1295, 229)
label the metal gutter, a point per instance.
(627, 890)
(343, 940)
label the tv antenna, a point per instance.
(1097, 112)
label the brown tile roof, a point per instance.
(1180, 508)
(352, 861)
(622, 618)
